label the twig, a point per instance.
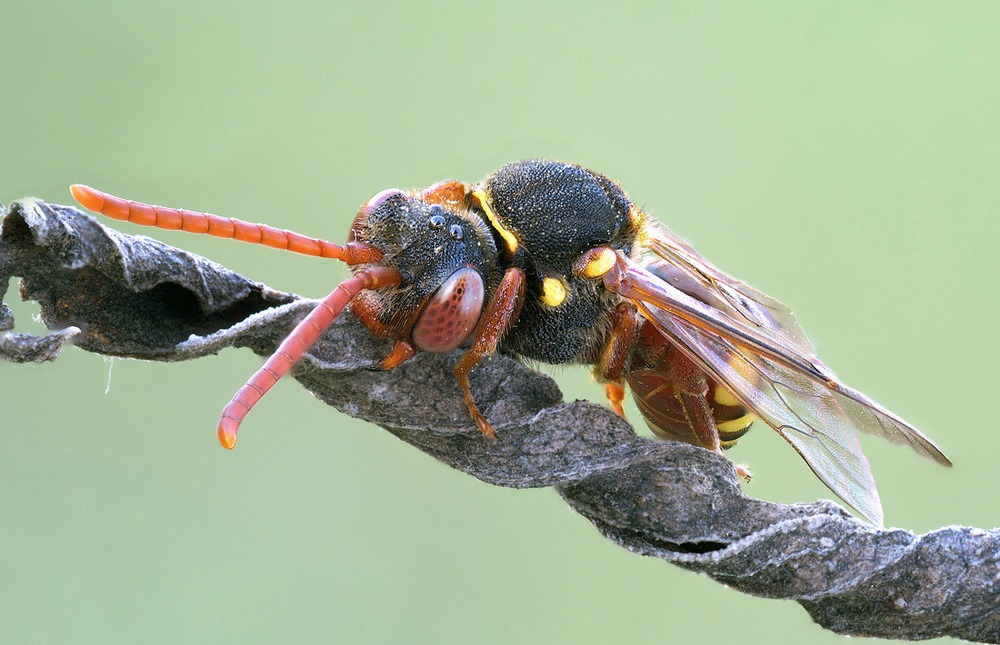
(132, 296)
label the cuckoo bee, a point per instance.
(552, 262)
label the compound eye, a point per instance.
(456, 232)
(452, 314)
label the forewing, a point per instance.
(868, 416)
(738, 299)
(801, 411)
(788, 388)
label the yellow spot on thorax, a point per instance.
(553, 291)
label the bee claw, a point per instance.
(743, 473)
(486, 428)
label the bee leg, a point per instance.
(702, 422)
(611, 367)
(367, 313)
(401, 351)
(691, 391)
(615, 392)
(499, 316)
(615, 355)
(699, 417)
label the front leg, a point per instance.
(500, 316)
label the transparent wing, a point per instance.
(736, 298)
(798, 408)
(746, 344)
(764, 326)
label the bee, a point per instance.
(552, 262)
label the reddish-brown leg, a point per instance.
(691, 391)
(615, 393)
(499, 316)
(367, 312)
(686, 379)
(401, 351)
(592, 264)
(616, 353)
(304, 336)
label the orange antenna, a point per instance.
(176, 219)
(305, 334)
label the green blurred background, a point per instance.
(842, 156)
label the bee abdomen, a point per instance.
(665, 415)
